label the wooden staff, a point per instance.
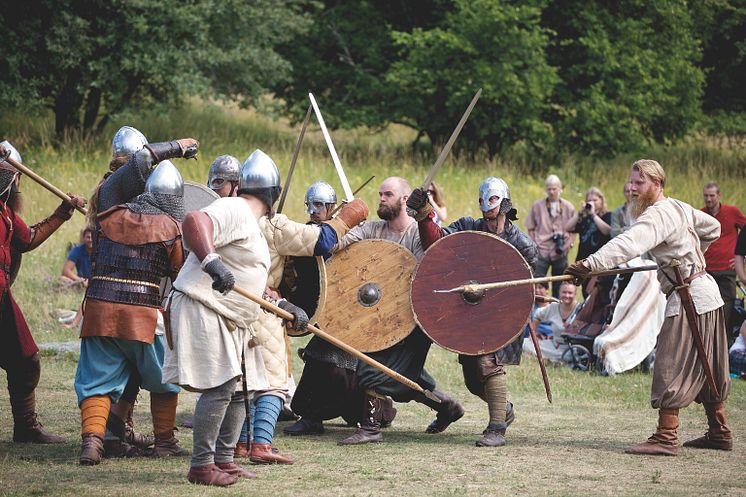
(46, 184)
(477, 288)
(334, 341)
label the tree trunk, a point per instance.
(66, 109)
(92, 106)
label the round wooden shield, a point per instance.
(367, 295)
(465, 323)
(197, 196)
(304, 284)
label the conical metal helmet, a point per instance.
(492, 187)
(165, 179)
(13, 152)
(320, 191)
(126, 142)
(259, 171)
(225, 168)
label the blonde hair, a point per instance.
(650, 169)
(553, 179)
(595, 191)
(438, 196)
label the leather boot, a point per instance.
(388, 413)
(234, 469)
(135, 439)
(370, 426)
(493, 435)
(263, 454)
(448, 409)
(166, 445)
(241, 451)
(664, 442)
(718, 435)
(26, 426)
(92, 449)
(304, 426)
(210, 474)
(115, 448)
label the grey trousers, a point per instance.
(218, 418)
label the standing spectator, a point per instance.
(546, 225)
(740, 256)
(438, 202)
(719, 258)
(77, 268)
(591, 222)
(621, 219)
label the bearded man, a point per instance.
(18, 352)
(137, 242)
(408, 356)
(328, 386)
(484, 375)
(669, 230)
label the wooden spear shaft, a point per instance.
(546, 279)
(46, 184)
(334, 341)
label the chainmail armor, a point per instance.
(323, 351)
(125, 183)
(158, 204)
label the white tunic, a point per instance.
(210, 330)
(669, 229)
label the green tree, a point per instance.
(86, 60)
(629, 73)
(344, 56)
(494, 44)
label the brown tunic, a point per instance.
(128, 321)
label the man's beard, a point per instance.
(388, 213)
(640, 203)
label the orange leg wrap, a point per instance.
(93, 414)
(163, 410)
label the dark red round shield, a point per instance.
(471, 324)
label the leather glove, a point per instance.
(65, 209)
(353, 212)
(300, 318)
(184, 148)
(189, 147)
(419, 204)
(222, 278)
(579, 271)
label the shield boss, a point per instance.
(367, 295)
(471, 324)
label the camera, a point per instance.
(559, 243)
(587, 206)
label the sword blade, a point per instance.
(335, 158)
(449, 144)
(336, 209)
(296, 151)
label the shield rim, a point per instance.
(414, 276)
(409, 255)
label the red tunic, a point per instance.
(720, 253)
(14, 235)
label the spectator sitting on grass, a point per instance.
(77, 268)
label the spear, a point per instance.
(335, 341)
(46, 184)
(296, 151)
(481, 288)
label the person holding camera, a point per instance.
(593, 223)
(546, 226)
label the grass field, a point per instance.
(573, 447)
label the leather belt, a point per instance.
(687, 281)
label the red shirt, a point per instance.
(720, 253)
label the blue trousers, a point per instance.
(106, 364)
